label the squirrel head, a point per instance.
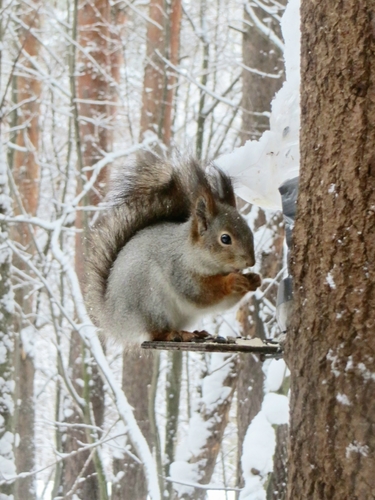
(222, 235)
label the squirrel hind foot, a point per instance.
(181, 336)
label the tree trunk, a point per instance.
(136, 380)
(25, 169)
(7, 458)
(260, 53)
(163, 41)
(92, 84)
(204, 78)
(276, 489)
(331, 345)
(90, 26)
(172, 396)
(153, 83)
(173, 44)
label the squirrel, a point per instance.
(169, 248)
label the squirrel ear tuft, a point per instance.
(204, 211)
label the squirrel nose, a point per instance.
(250, 261)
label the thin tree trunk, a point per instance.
(172, 397)
(331, 343)
(202, 96)
(136, 379)
(173, 44)
(7, 341)
(90, 27)
(153, 83)
(258, 91)
(163, 41)
(25, 168)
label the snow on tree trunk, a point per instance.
(331, 344)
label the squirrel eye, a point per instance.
(226, 239)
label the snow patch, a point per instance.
(119, 443)
(276, 408)
(330, 281)
(356, 447)
(258, 449)
(367, 375)
(28, 340)
(185, 473)
(213, 390)
(275, 375)
(3, 354)
(7, 462)
(333, 359)
(343, 399)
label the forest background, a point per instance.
(84, 85)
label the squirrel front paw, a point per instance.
(243, 283)
(182, 336)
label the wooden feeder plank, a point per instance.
(255, 346)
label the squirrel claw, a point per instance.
(199, 336)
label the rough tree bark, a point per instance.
(331, 345)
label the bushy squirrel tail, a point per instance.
(151, 191)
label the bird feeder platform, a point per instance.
(264, 348)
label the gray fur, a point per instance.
(143, 265)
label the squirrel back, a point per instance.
(151, 191)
